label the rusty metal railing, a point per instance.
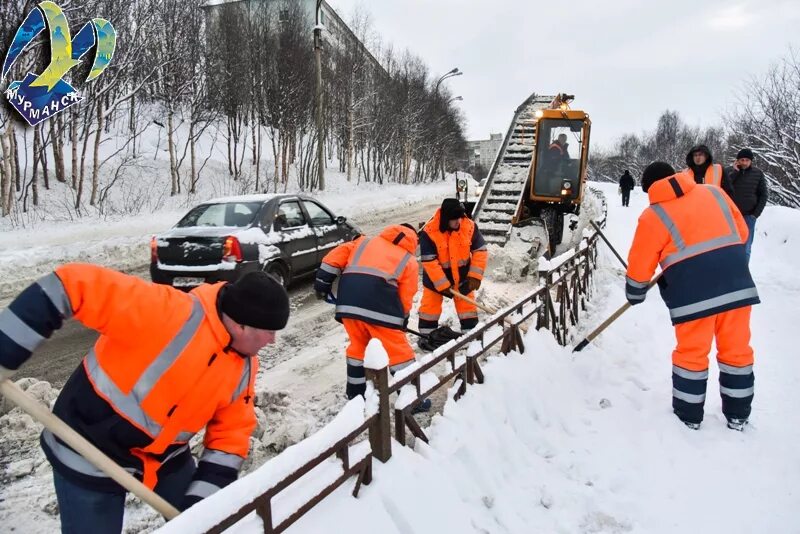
(556, 303)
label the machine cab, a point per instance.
(558, 169)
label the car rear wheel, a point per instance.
(278, 270)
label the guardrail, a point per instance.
(556, 303)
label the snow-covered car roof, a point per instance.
(255, 198)
(242, 198)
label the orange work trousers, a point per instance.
(430, 309)
(394, 341)
(731, 329)
(732, 332)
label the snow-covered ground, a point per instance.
(551, 443)
(557, 442)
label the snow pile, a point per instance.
(552, 443)
(517, 260)
(217, 507)
(375, 356)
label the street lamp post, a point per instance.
(452, 73)
(320, 132)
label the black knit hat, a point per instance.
(451, 209)
(654, 172)
(258, 300)
(745, 153)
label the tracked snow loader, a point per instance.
(539, 175)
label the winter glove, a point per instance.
(469, 285)
(463, 287)
(447, 292)
(635, 294)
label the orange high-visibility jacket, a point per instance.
(697, 235)
(379, 277)
(713, 175)
(160, 372)
(450, 257)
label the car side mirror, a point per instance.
(340, 219)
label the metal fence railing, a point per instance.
(556, 304)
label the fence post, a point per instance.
(380, 431)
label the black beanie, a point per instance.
(451, 209)
(745, 153)
(654, 172)
(258, 300)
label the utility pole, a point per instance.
(320, 126)
(454, 72)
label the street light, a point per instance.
(320, 133)
(454, 72)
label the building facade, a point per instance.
(484, 151)
(335, 31)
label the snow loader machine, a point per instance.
(539, 175)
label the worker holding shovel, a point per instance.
(378, 278)
(697, 235)
(454, 257)
(167, 365)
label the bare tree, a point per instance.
(767, 120)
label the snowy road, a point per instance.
(59, 356)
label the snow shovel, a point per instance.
(614, 316)
(418, 334)
(481, 306)
(51, 422)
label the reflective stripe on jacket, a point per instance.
(697, 236)
(379, 277)
(450, 257)
(160, 372)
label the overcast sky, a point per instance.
(625, 60)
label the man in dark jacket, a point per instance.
(750, 191)
(626, 184)
(702, 167)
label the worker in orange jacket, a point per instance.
(378, 278)
(167, 365)
(701, 167)
(454, 256)
(697, 235)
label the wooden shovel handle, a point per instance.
(479, 305)
(51, 422)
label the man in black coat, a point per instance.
(626, 184)
(750, 191)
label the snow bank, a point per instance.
(375, 356)
(218, 506)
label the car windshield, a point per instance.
(238, 214)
